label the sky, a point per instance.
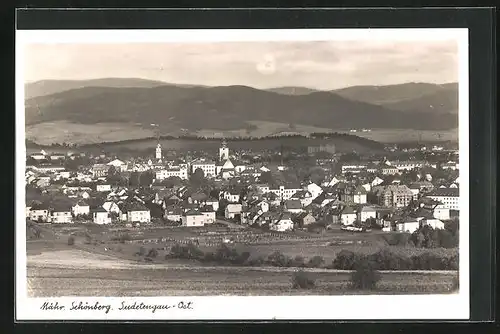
(320, 65)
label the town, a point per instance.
(399, 190)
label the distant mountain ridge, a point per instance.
(226, 107)
(49, 87)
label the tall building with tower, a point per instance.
(158, 152)
(223, 151)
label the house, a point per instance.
(39, 212)
(103, 187)
(293, 206)
(209, 214)
(193, 218)
(448, 197)
(394, 196)
(138, 213)
(314, 190)
(282, 223)
(214, 203)
(304, 196)
(118, 165)
(389, 170)
(348, 216)
(366, 212)
(61, 214)
(99, 170)
(81, 208)
(433, 222)
(111, 207)
(180, 171)
(100, 216)
(304, 219)
(232, 210)
(408, 225)
(232, 196)
(174, 214)
(207, 166)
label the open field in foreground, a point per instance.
(62, 271)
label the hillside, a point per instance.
(223, 108)
(444, 101)
(48, 87)
(392, 94)
(292, 90)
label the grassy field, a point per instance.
(79, 273)
(67, 132)
(407, 135)
(104, 268)
(62, 131)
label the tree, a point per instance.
(316, 261)
(197, 178)
(365, 276)
(300, 280)
(266, 177)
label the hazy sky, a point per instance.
(322, 65)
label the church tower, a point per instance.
(158, 152)
(223, 151)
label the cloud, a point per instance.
(258, 64)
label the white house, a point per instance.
(80, 208)
(441, 212)
(232, 210)
(207, 166)
(282, 224)
(231, 196)
(103, 187)
(408, 225)
(61, 215)
(101, 216)
(118, 164)
(138, 213)
(434, 223)
(359, 195)
(174, 171)
(212, 202)
(376, 181)
(449, 197)
(193, 218)
(314, 190)
(366, 212)
(209, 215)
(111, 207)
(348, 216)
(39, 212)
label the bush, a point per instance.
(346, 260)
(71, 240)
(300, 280)
(386, 260)
(152, 253)
(257, 262)
(142, 251)
(188, 252)
(316, 261)
(453, 263)
(365, 276)
(278, 259)
(429, 261)
(298, 261)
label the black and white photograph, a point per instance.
(289, 171)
